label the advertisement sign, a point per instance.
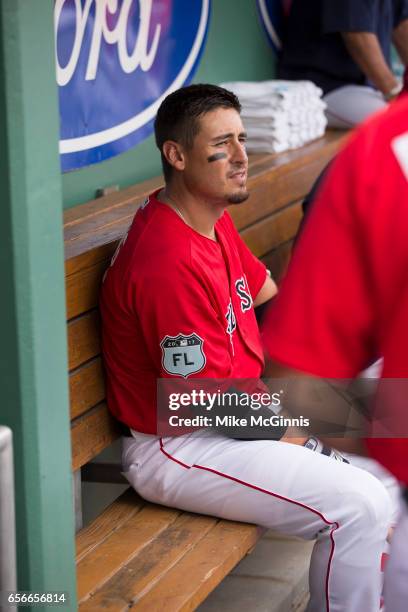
(273, 14)
(116, 61)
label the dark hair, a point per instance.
(178, 116)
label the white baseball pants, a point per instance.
(350, 105)
(396, 576)
(279, 486)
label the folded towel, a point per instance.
(280, 115)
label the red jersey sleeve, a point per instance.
(322, 320)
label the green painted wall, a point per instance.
(33, 361)
(236, 49)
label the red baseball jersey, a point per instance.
(344, 300)
(176, 304)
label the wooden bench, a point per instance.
(136, 554)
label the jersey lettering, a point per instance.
(231, 323)
(231, 320)
(243, 292)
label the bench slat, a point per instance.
(82, 289)
(187, 584)
(270, 193)
(83, 339)
(125, 543)
(91, 536)
(269, 233)
(86, 388)
(92, 209)
(87, 259)
(91, 433)
(106, 219)
(268, 170)
(163, 556)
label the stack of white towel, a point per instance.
(280, 115)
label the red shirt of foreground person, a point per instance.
(344, 301)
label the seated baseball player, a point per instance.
(178, 303)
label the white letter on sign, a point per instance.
(64, 75)
(141, 56)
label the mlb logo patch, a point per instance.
(182, 355)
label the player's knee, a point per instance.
(370, 503)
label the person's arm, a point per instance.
(365, 49)
(400, 39)
(321, 402)
(357, 23)
(266, 293)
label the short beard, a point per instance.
(237, 198)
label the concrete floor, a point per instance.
(273, 578)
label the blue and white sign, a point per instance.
(116, 61)
(273, 14)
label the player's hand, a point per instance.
(294, 435)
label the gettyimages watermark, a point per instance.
(231, 409)
(273, 408)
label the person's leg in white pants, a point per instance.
(388, 480)
(396, 571)
(350, 105)
(280, 486)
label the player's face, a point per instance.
(217, 164)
